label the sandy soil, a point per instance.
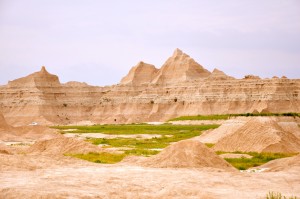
(75, 179)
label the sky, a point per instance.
(97, 41)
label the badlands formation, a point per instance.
(32, 157)
(180, 87)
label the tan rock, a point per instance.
(219, 75)
(142, 73)
(251, 77)
(179, 68)
(182, 87)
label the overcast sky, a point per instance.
(97, 41)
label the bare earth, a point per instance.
(76, 179)
(186, 169)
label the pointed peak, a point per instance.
(177, 52)
(217, 71)
(43, 70)
(140, 63)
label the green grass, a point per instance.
(141, 147)
(141, 152)
(227, 116)
(105, 158)
(165, 129)
(209, 145)
(274, 195)
(256, 160)
(161, 142)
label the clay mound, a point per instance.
(179, 68)
(283, 164)
(187, 154)
(38, 79)
(289, 124)
(218, 75)
(142, 73)
(229, 127)
(62, 145)
(260, 134)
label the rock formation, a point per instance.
(140, 74)
(219, 75)
(39, 79)
(180, 68)
(180, 87)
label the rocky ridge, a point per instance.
(180, 87)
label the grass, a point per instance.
(274, 195)
(209, 145)
(227, 116)
(157, 142)
(105, 158)
(141, 152)
(256, 160)
(165, 129)
(140, 147)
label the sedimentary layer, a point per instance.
(180, 87)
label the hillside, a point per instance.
(180, 87)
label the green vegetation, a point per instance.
(165, 129)
(273, 195)
(141, 152)
(135, 146)
(209, 145)
(105, 158)
(227, 116)
(202, 117)
(256, 160)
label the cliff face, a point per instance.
(180, 87)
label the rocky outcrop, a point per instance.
(180, 68)
(140, 74)
(180, 87)
(218, 75)
(39, 79)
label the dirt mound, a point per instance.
(260, 134)
(229, 127)
(62, 145)
(283, 164)
(186, 154)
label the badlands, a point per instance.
(37, 162)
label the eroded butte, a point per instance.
(34, 161)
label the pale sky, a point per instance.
(97, 41)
